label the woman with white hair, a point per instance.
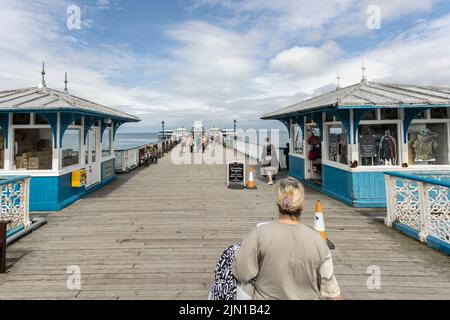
(285, 259)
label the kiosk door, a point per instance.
(313, 156)
(93, 159)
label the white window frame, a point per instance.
(11, 147)
(111, 142)
(325, 151)
(292, 153)
(428, 120)
(400, 143)
(74, 166)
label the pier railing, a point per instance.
(418, 205)
(128, 159)
(15, 195)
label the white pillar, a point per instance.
(354, 143)
(56, 155)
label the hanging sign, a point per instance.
(236, 175)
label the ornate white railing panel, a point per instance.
(420, 202)
(15, 202)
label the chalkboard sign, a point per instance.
(236, 175)
(368, 146)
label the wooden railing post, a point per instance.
(3, 225)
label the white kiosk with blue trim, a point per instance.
(343, 142)
(63, 142)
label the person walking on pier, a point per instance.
(183, 144)
(269, 163)
(285, 259)
(204, 143)
(191, 143)
(286, 155)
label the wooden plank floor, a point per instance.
(157, 233)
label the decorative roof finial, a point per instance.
(65, 83)
(42, 84)
(338, 83)
(364, 77)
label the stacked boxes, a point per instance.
(32, 159)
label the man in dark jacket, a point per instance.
(286, 154)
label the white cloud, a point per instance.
(218, 72)
(305, 61)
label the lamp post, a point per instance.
(163, 130)
(235, 121)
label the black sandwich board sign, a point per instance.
(236, 178)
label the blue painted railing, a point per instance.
(418, 205)
(15, 203)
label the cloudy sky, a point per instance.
(216, 60)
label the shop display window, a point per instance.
(33, 149)
(378, 145)
(428, 144)
(337, 144)
(439, 113)
(297, 146)
(370, 115)
(106, 143)
(389, 114)
(22, 118)
(71, 147)
(38, 119)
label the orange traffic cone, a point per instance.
(319, 225)
(251, 179)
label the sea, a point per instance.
(132, 140)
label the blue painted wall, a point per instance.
(52, 193)
(56, 193)
(338, 184)
(369, 189)
(297, 167)
(359, 189)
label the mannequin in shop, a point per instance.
(425, 145)
(315, 143)
(388, 149)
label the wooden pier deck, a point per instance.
(157, 233)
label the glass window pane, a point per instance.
(337, 144)
(2, 150)
(438, 113)
(389, 114)
(297, 146)
(33, 149)
(21, 118)
(428, 144)
(422, 115)
(371, 115)
(38, 119)
(378, 145)
(86, 155)
(106, 143)
(329, 117)
(71, 147)
(93, 142)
